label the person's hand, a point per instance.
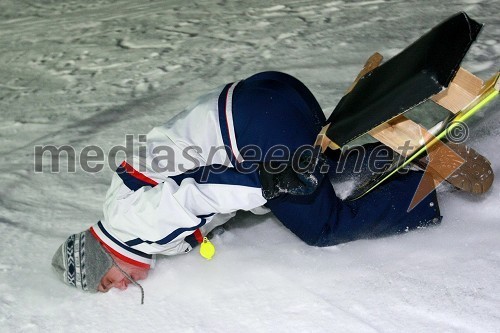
(302, 177)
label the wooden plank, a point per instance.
(323, 141)
(462, 90)
(373, 62)
(401, 134)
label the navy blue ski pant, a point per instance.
(274, 108)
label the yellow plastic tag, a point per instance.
(207, 249)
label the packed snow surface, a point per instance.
(86, 73)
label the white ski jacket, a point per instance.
(154, 206)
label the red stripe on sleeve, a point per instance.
(136, 174)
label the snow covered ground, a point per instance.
(86, 73)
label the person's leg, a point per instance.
(300, 91)
(273, 109)
(322, 219)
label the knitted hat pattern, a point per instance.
(81, 261)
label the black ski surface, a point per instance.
(415, 74)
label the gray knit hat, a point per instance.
(81, 261)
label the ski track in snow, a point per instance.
(87, 73)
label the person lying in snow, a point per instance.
(166, 205)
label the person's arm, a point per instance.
(157, 219)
